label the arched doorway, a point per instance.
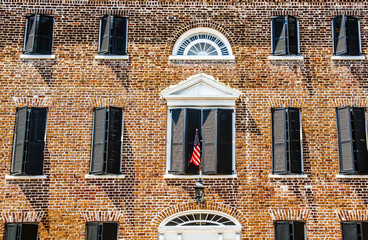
(200, 225)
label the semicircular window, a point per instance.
(202, 42)
(200, 219)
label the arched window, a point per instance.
(202, 43)
(199, 225)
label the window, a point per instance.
(199, 224)
(354, 230)
(346, 36)
(29, 141)
(21, 231)
(289, 230)
(200, 102)
(102, 231)
(106, 143)
(202, 43)
(38, 35)
(215, 127)
(113, 35)
(285, 35)
(352, 140)
(286, 141)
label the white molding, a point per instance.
(91, 176)
(201, 30)
(348, 57)
(286, 58)
(191, 57)
(288, 176)
(351, 176)
(177, 176)
(25, 177)
(112, 57)
(205, 90)
(37, 56)
(173, 216)
(202, 229)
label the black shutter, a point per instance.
(225, 141)
(119, 33)
(92, 231)
(295, 153)
(279, 140)
(282, 230)
(193, 122)
(105, 26)
(352, 29)
(209, 146)
(349, 231)
(29, 231)
(110, 231)
(115, 124)
(177, 141)
(30, 34)
(345, 141)
(364, 230)
(299, 231)
(10, 231)
(339, 35)
(19, 141)
(45, 34)
(278, 36)
(360, 137)
(98, 142)
(36, 141)
(292, 36)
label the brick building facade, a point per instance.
(73, 82)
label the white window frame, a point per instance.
(200, 30)
(200, 98)
(180, 230)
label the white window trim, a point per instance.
(112, 57)
(362, 57)
(24, 177)
(177, 176)
(286, 58)
(201, 30)
(203, 229)
(37, 56)
(168, 146)
(351, 176)
(287, 176)
(91, 176)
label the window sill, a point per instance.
(286, 58)
(342, 176)
(37, 56)
(176, 57)
(174, 176)
(287, 176)
(26, 177)
(348, 58)
(90, 176)
(112, 57)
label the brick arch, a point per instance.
(201, 23)
(186, 206)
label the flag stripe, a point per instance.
(196, 155)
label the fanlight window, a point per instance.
(201, 43)
(200, 219)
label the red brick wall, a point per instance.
(74, 83)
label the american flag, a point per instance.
(196, 156)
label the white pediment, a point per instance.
(200, 90)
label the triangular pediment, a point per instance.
(200, 87)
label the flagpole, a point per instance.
(200, 163)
